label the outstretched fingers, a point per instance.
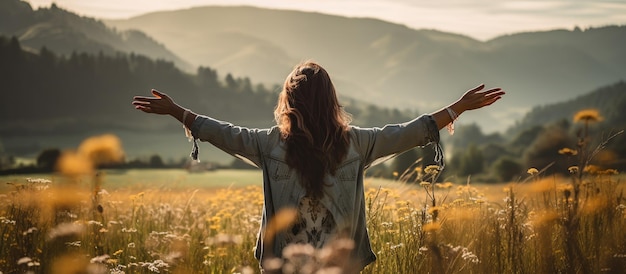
(492, 95)
(476, 89)
(159, 94)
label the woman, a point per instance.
(313, 160)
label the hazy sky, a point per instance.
(480, 19)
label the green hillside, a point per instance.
(610, 101)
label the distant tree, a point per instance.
(467, 161)
(544, 150)
(507, 169)
(156, 161)
(525, 138)
(231, 83)
(473, 161)
(47, 159)
(492, 152)
(207, 78)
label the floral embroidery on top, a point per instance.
(315, 224)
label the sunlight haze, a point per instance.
(480, 19)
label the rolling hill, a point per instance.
(64, 33)
(391, 64)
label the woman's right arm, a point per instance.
(240, 142)
(162, 104)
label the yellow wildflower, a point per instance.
(588, 115)
(431, 227)
(568, 151)
(431, 169)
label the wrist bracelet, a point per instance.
(187, 131)
(453, 117)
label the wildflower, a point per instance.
(431, 227)
(434, 210)
(424, 184)
(395, 174)
(74, 164)
(156, 265)
(129, 230)
(75, 244)
(532, 171)
(272, 265)
(131, 245)
(29, 231)
(99, 259)
(293, 251)
(65, 230)
(432, 169)
(573, 169)
(469, 256)
(610, 171)
(24, 260)
(224, 239)
(445, 185)
(283, 219)
(592, 169)
(568, 151)
(102, 149)
(588, 115)
(92, 222)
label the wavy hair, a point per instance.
(313, 125)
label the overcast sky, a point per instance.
(480, 19)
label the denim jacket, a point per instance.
(343, 197)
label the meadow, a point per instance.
(85, 220)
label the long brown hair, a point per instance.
(313, 125)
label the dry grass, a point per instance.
(54, 227)
(572, 224)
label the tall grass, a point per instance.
(540, 224)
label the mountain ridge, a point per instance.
(65, 32)
(391, 64)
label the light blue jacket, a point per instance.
(344, 197)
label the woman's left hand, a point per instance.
(161, 103)
(475, 98)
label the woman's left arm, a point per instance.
(472, 99)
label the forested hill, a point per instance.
(610, 101)
(64, 32)
(45, 93)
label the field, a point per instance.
(171, 221)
